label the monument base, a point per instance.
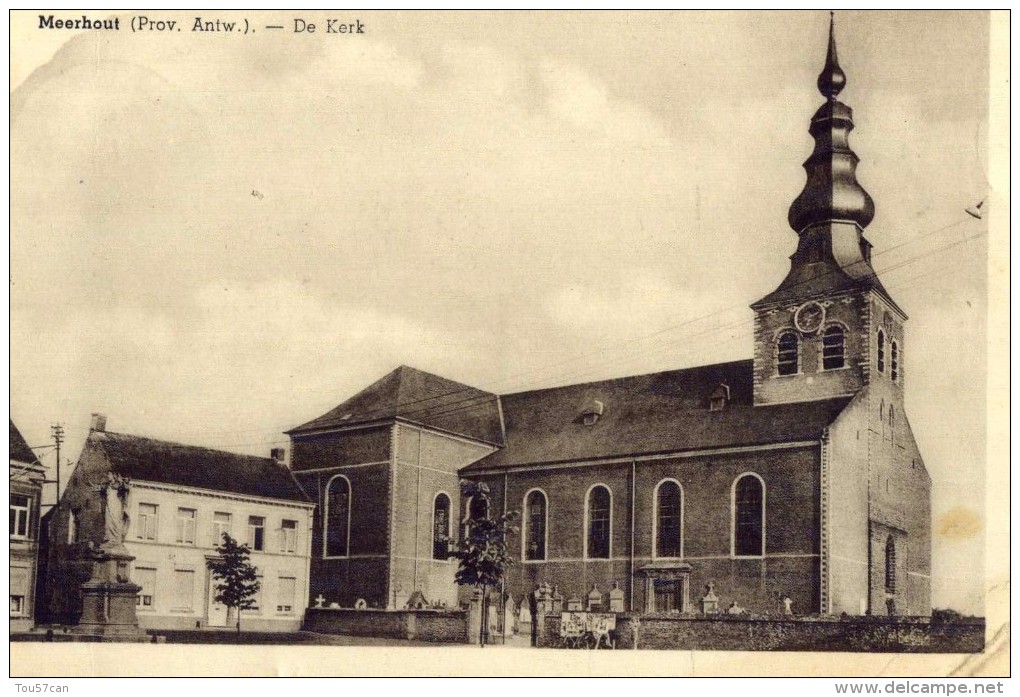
(109, 600)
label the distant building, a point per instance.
(788, 482)
(181, 499)
(26, 477)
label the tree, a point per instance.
(483, 553)
(238, 583)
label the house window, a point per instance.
(21, 506)
(220, 527)
(786, 354)
(338, 517)
(668, 519)
(147, 520)
(748, 516)
(881, 351)
(890, 565)
(833, 347)
(441, 527)
(534, 526)
(287, 589)
(17, 605)
(288, 536)
(19, 589)
(599, 523)
(146, 578)
(894, 361)
(257, 532)
(186, 526)
(184, 589)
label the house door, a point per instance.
(216, 614)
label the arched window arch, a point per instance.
(337, 517)
(441, 526)
(536, 512)
(669, 519)
(833, 348)
(599, 519)
(748, 516)
(894, 361)
(476, 508)
(890, 565)
(787, 353)
(881, 351)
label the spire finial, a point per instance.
(832, 79)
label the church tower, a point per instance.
(830, 328)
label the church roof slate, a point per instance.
(418, 397)
(649, 414)
(165, 462)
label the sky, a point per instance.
(215, 238)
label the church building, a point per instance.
(787, 480)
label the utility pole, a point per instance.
(58, 438)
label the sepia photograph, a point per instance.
(509, 343)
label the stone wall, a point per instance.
(441, 626)
(736, 633)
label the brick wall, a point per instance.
(792, 524)
(725, 633)
(441, 626)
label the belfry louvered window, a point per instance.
(787, 349)
(833, 348)
(338, 517)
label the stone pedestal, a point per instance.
(109, 599)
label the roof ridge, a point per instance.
(629, 377)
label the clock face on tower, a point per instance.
(809, 317)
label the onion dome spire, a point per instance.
(832, 192)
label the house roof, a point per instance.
(647, 414)
(413, 395)
(19, 450)
(160, 461)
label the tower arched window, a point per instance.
(599, 522)
(748, 516)
(787, 349)
(669, 519)
(881, 351)
(890, 565)
(535, 517)
(441, 527)
(833, 348)
(894, 361)
(338, 517)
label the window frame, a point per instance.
(526, 527)
(184, 525)
(787, 331)
(285, 537)
(282, 609)
(890, 565)
(894, 360)
(218, 528)
(448, 536)
(151, 595)
(191, 604)
(733, 516)
(253, 536)
(144, 520)
(587, 523)
(326, 518)
(656, 521)
(19, 519)
(880, 351)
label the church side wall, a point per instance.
(427, 464)
(848, 506)
(790, 565)
(363, 457)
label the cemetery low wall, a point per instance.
(441, 626)
(766, 633)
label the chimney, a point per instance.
(98, 423)
(280, 455)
